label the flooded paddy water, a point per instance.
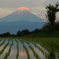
(21, 49)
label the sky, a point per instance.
(37, 7)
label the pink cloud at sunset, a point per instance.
(2, 14)
(22, 8)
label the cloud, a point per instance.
(2, 14)
(39, 11)
(5, 11)
(25, 3)
(40, 8)
(20, 3)
(15, 3)
(57, 16)
(22, 8)
(47, 2)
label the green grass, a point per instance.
(52, 55)
(17, 49)
(44, 34)
(47, 43)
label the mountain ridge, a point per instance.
(14, 26)
(22, 15)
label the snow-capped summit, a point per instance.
(22, 13)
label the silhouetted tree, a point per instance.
(51, 12)
(25, 32)
(19, 33)
(36, 31)
(5, 34)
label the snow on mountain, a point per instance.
(22, 13)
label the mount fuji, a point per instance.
(20, 20)
(22, 13)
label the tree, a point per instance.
(7, 34)
(19, 33)
(25, 32)
(51, 13)
(36, 31)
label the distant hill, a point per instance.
(14, 26)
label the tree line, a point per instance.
(20, 33)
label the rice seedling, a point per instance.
(28, 56)
(58, 55)
(7, 54)
(4, 47)
(47, 43)
(52, 55)
(45, 53)
(17, 49)
(35, 54)
(2, 42)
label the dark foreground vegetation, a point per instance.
(46, 31)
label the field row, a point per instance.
(37, 46)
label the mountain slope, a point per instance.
(22, 14)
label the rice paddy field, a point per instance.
(29, 48)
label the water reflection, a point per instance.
(5, 49)
(13, 53)
(1, 48)
(22, 53)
